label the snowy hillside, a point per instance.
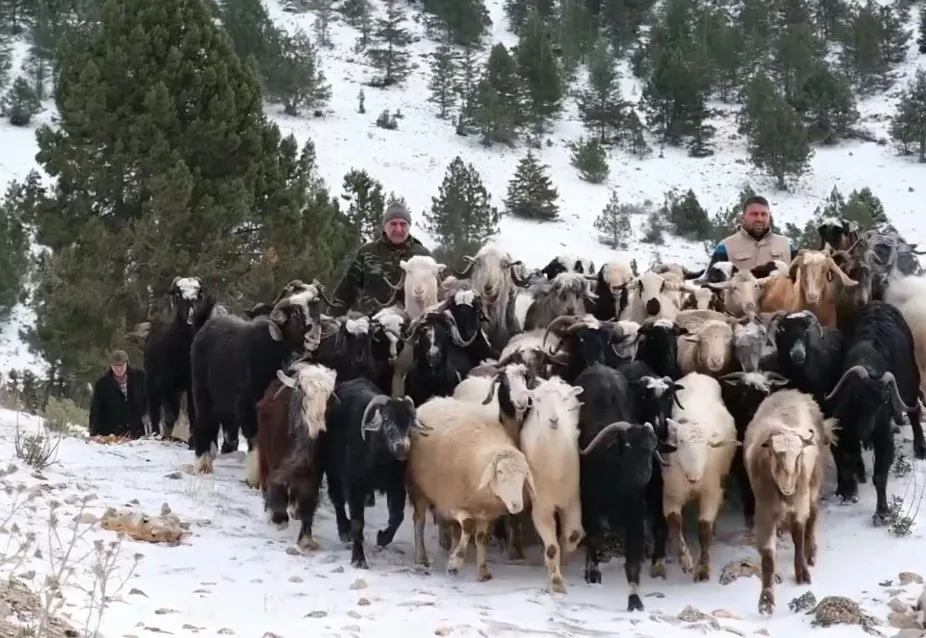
(412, 160)
(232, 573)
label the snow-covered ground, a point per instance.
(236, 574)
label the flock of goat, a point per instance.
(588, 399)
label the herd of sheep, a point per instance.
(579, 400)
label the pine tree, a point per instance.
(324, 14)
(490, 117)
(539, 69)
(576, 31)
(685, 216)
(654, 229)
(613, 224)
(389, 50)
(6, 60)
(726, 49)
(465, 22)
(909, 125)
(214, 189)
(20, 103)
(531, 193)
(826, 104)
(14, 251)
(444, 71)
(633, 135)
(591, 160)
(864, 53)
(392, 198)
(462, 216)
(359, 14)
(366, 204)
(921, 37)
(467, 83)
(504, 106)
(520, 12)
(296, 79)
(600, 105)
(252, 33)
(777, 139)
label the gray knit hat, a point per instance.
(118, 356)
(396, 210)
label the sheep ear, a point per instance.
(404, 265)
(275, 333)
(487, 475)
(288, 381)
(531, 486)
(691, 338)
(577, 390)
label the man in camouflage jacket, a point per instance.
(365, 286)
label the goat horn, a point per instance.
(733, 376)
(888, 379)
(555, 324)
(375, 402)
(455, 331)
(836, 270)
(321, 292)
(495, 381)
(617, 426)
(859, 370)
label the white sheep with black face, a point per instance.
(704, 434)
(420, 283)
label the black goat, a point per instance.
(616, 467)
(837, 233)
(880, 383)
(465, 306)
(742, 393)
(367, 441)
(439, 361)
(389, 324)
(234, 360)
(347, 347)
(658, 347)
(583, 342)
(260, 309)
(167, 357)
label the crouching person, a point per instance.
(118, 403)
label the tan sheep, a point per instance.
(709, 350)
(468, 470)
(784, 451)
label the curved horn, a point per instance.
(414, 326)
(495, 381)
(555, 324)
(836, 270)
(455, 331)
(375, 402)
(464, 274)
(862, 373)
(617, 426)
(321, 292)
(888, 379)
(173, 284)
(796, 263)
(278, 314)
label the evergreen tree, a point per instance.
(490, 117)
(14, 15)
(865, 51)
(444, 71)
(324, 14)
(366, 205)
(296, 79)
(20, 103)
(862, 207)
(500, 97)
(613, 224)
(829, 16)
(632, 136)
(909, 125)
(392, 198)
(621, 21)
(539, 69)
(467, 83)
(777, 139)
(14, 251)
(600, 105)
(576, 34)
(356, 12)
(252, 33)
(654, 229)
(531, 193)
(388, 52)
(674, 93)
(465, 22)
(826, 104)
(726, 50)
(520, 12)
(6, 60)
(685, 215)
(462, 217)
(196, 181)
(591, 160)
(921, 37)
(795, 58)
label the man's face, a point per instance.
(397, 230)
(118, 369)
(757, 219)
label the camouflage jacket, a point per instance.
(364, 286)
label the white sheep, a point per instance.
(908, 294)
(550, 440)
(704, 434)
(709, 350)
(468, 469)
(741, 292)
(784, 451)
(628, 338)
(511, 400)
(421, 282)
(654, 295)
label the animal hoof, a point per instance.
(593, 575)
(802, 576)
(658, 569)
(359, 563)
(703, 574)
(634, 603)
(228, 448)
(686, 564)
(452, 571)
(766, 604)
(383, 538)
(308, 543)
(344, 537)
(557, 586)
(482, 575)
(422, 567)
(811, 558)
(880, 519)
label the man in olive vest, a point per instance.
(365, 286)
(754, 244)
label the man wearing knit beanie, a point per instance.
(367, 284)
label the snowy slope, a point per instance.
(235, 574)
(413, 159)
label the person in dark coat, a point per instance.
(118, 402)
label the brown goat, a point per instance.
(807, 286)
(289, 462)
